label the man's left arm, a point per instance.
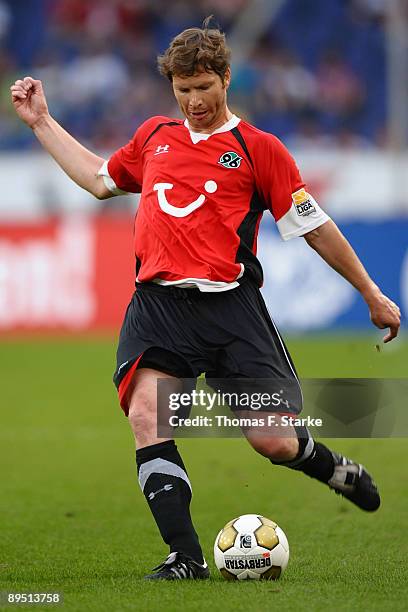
(332, 246)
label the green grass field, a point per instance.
(72, 518)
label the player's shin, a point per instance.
(167, 488)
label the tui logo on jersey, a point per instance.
(303, 203)
(178, 211)
(230, 159)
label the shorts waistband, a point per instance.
(169, 290)
(181, 292)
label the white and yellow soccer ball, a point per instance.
(251, 547)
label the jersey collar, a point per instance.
(197, 136)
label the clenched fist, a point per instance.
(29, 100)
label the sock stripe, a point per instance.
(161, 466)
(309, 448)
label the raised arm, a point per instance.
(332, 246)
(80, 164)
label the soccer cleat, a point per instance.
(179, 566)
(353, 482)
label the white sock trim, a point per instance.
(161, 466)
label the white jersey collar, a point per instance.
(198, 136)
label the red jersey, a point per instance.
(202, 198)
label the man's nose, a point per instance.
(195, 100)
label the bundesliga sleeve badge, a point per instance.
(303, 203)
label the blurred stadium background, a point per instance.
(327, 77)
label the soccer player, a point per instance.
(205, 182)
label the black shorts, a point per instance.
(185, 332)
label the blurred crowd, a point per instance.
(315, 77)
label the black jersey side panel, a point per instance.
(248, 227)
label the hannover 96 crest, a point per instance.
(230, 159)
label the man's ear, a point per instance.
(227, 78)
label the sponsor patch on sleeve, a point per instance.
(303, 203)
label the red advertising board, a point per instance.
(71, 273)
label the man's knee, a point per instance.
(143, 406)
(142, 414)
(276, 449)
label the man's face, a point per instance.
(203, 99)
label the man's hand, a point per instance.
(29, 100)
(384, 313)
(332, 246)
(80, 164)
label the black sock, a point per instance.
(313, 458)
(319, 465)
(165, 484)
